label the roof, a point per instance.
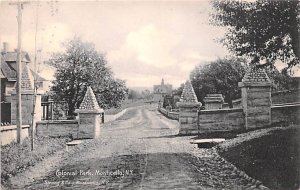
(256, 75)
(188, 93)
(9, 65)
(2, 75)
(89, 101)
(7, 69)
(12, 57)
(38, 77)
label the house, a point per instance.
(9, 73)
(160, 91)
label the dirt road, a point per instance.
(138, 151)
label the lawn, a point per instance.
(16, 158)
(125, 104)
(273, 159)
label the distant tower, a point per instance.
(162, 82)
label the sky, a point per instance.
(143, 41)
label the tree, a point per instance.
(133, 95)
(262, 30)
(220, 76)
(281, 81)
(178, 91)
(81, 66)
(146, 94)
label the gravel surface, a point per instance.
(137, 152)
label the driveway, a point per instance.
(140, 150)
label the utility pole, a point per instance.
(19, 68)
(33, 122)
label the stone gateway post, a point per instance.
(27, 98)
(188, 110)
(256, 98)
(89, 116)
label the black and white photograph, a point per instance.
(150, 94)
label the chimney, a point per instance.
(5, 47)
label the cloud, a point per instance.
(152, 45)
(143, 41)
(148, 45)
(151, 53)
(49, 38)
(190, 58)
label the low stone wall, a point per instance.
(108, 118)
(221, 120)
(58, 128)
(163, 111)
(171, 115)
(287, 113)
(9, 133)
(287, 96)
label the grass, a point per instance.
(128, 114)
(16, 158)
(273, 159)
(126, 104)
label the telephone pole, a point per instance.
(20, 5)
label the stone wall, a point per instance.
(108, 118)
(173, 115)
(283, 97)
(221, 120)
(9, 133)
(58, 128)
(256, 111)
(288, 113)
(169, 114)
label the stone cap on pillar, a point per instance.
(255, 77)
(27, 81)
(214, 98)
(188, 96)
(89, 103)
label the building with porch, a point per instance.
(8, 74)
(160, 91)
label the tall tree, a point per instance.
(220, 76)
(263, 29)
(81, 66)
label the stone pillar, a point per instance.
(213, 101)
(27, 98)
(256, 98)
(89, 114)
(188, 110)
